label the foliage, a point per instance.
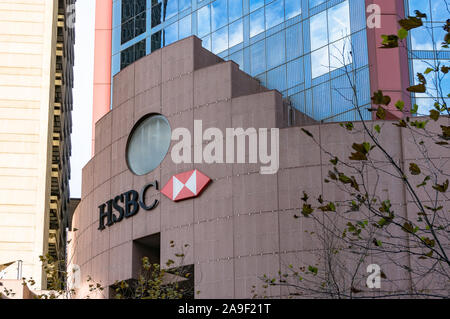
(361, 224)
(155, 282)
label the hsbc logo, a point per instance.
(179, 187)
(186, 185)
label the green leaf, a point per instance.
(377, 128)
(379, 98)
(441, 188)
(420, 88)
(411, 23)
(312, 269)
(414, 169)
(389, 41)
(400, 105)
(445, 132)
(381, 113)
(434, 115)
(307, 210)
(402, 34)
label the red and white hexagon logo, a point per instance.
(185, 185)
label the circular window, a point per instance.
(148, 144)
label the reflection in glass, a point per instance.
(340, 54)
(275, 50)
(156, 13)
(274, 14)
(204, 21)
(139, 6)
(219, 14)
(276, 78)
(156, 41)
(256, 22)
(422, 38)
(220, 40)
(313, 3)
(170, 34)
(294, 42)
(339, 21)
(184, 4)
(236, 33)
(206, 42)
(148, 144)
(238, 57)
(127, 9)
(139, 24)
(234, 10)
(318, 29)
(258, 58)
(255, 4)
(295, 73)
(319, 62)
(293, 8)
(185, 27)
(170, 9)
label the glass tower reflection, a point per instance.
(298, 47)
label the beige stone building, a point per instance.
(36, 79)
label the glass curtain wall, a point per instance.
(426, 50)
(302, 48)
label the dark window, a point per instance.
(133, 53)
(156, 41)
(156, 13)
(133, 19)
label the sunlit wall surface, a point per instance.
(426, 50)
(299, 47)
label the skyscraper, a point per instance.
(36, 79)
(299, 47)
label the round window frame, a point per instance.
(133, 130)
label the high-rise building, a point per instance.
(36, 79)
(299, 47)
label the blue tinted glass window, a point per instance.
(220, 40)
(185, 27)
(422, 38)
(294, 43)
(276, 78)
(339, 21)
(318, 30)
(258, 58)
(275, 50)
(219, 14)
(313, 3)
(321, 97)
(255, 4)
(274, 13)
(171, 34)
(206, 42)
(184, 4)
(204, 21)
(238, 57)
(319, 62)
(439, 11)
(171, 8)
(234, 9)
(295, 73)
(236, 33)
(293, 8)
(257, 22)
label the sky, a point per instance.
(82, 92)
